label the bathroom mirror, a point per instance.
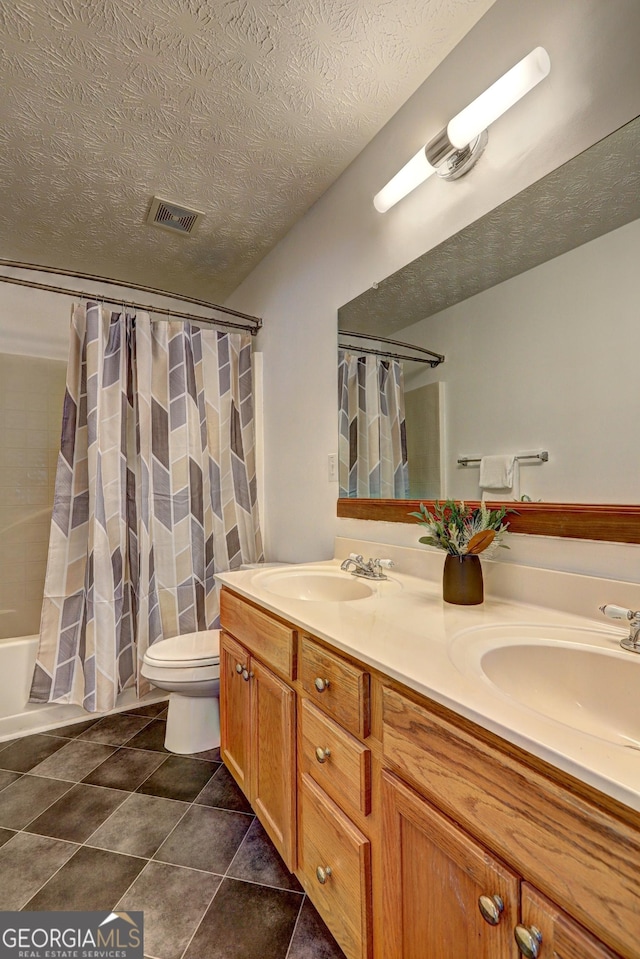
(535, 307)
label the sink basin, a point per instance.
(320, 585)
(578, 677)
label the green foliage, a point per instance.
(452, 524)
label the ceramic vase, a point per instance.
(462, 580)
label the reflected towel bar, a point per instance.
(541, 456)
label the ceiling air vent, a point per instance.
(170, 216)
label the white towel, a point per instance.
(496, 472)
(510, 493)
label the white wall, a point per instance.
(546, 360)
(342, 245)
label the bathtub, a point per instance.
(19, 717)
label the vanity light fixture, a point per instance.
(457, 148)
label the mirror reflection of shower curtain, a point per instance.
(372, 444)
(155, 493)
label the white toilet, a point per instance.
(189, 668)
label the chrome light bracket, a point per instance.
(450, 162)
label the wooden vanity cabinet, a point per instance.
(420, 816)
(257, 741)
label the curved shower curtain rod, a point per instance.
(252, 325)
(434, 359)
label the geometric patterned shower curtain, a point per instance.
(155, 493)
(372, 443)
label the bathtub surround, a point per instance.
(155, 493)
(100, 816)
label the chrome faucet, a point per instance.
(370, 570)
(632, 641)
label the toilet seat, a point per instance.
(177, 675)
(194, 650)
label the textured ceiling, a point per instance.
(596, 192)
(246, 110)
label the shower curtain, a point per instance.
(155, 493)
(372, 443)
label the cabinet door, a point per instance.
(553, 933)
(272, 767)
(235, 713)
(434, 876)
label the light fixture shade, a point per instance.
(500, 96)
(407, 179)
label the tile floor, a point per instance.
(99, 815)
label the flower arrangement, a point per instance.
(463, 530)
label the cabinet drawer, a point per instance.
(335, 759)
(336, 686)
(272, 641)
(333, 849)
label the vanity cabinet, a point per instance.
(416, 833)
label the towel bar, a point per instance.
(541, 456)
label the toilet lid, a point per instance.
(191, 649)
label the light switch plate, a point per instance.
(333, 467)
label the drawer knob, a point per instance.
(322, 754)
(528, 941)
(239, 668)
(246, 675)
(321, 684)
(491, 907)
(322, 874)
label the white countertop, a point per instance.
(406, 631)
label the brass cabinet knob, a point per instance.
(322, 874)
(528, 941)
(321, 684)
(491, 908)
(322, 754)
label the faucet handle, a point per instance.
(386, 563)
(618, 612)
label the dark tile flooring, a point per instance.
(98, 815)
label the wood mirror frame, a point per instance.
(613, 523)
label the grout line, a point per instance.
(295, 926)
